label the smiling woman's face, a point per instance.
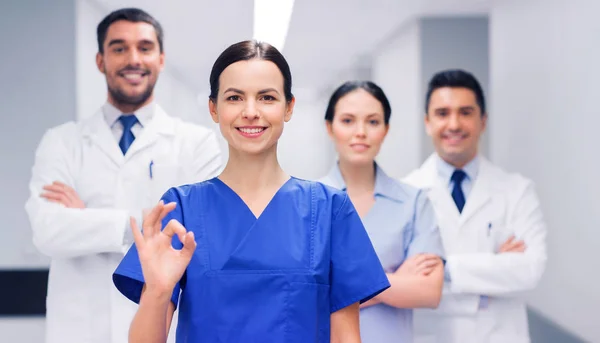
(251, 108)
(358, 127)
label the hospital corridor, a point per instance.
(287, 171)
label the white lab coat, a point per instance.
(499, 205)
(86, 245)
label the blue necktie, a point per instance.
(457, 194)
(128, 121)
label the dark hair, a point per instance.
(134, 15)
(247, 50)
(351, 86)
(456, 78)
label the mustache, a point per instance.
(136, 69)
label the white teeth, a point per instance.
(251, 131)
(133, 76)
(459, 136)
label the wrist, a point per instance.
(157, 293)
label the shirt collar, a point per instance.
(144, 114)
(445, 169)
(384, 185)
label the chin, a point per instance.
(456, 157)
(251, 149)
(360, 160)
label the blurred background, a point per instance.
(537, 61)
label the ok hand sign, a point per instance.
(162, 265)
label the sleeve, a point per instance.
(426, 234)
(356, 273)
(507, 273)
(128, 278)
(61, 232)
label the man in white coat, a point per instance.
(490, 221)
(90, 176)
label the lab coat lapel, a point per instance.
(438, 193)
(161, 124)
(96, 131)
(480, 194)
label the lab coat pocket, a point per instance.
(308, 305)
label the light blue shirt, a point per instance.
(400, 224)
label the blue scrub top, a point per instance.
(400, 224)
(275, 278)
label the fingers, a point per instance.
(518, 249)
(426, 271)
(507, 244)
(187, 238)
(57, 186)
(153, 220)
(416, 259)
(425, 258)
(57, 197)
(138, 238)
(60, 187)
(518, 246)
(189, 245)
(174, 227)
(428, 266)
(419, 264)
(60, 192)
(508, 241)
(165, 210)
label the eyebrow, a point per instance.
(234, 90)
(239, 91)
(268, 90)
(146, 41)
(122, 41)
(472, 108)
(116, 41)
(368, 115)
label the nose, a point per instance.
(454, 121)
(134, 58)
(250, 110)
(361, 131)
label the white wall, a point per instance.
(36, 92)
(22, 330)
(91, 85)
(544, 78)
(397, 70)
(305, 150)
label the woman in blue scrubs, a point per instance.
(398, 218)
(253, 255)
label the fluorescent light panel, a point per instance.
(272, 20)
